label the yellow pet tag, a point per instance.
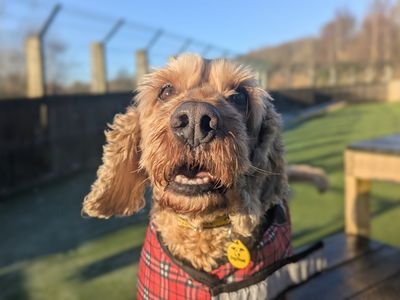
(238, 254)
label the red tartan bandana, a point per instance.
(161, 276)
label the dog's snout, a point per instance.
(195, 122)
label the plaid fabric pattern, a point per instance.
(161, 278)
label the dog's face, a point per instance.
(202, 133)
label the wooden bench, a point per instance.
(357, 267)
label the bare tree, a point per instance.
(395, 32)
(377, 31)
(336, 36)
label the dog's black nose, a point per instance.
(195, 123)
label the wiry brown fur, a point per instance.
(246, 158)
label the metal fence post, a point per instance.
(35, 67)
(99, 75)
(99, 67)
(35, 64)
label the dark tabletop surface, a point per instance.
(388, 144)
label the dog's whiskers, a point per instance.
(265, 172)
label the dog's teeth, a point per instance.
(200, 181)
(178, 179)
(200, 178)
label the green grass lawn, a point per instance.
(320, 142)
(48, 251)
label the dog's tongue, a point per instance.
(194, 172)
(202, 174)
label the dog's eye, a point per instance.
(239, 98)
(166, 92)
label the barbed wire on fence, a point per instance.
(66, 46)
(69, 47)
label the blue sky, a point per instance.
(239, 26)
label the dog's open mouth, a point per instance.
(192, 180)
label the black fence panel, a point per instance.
(53, 136)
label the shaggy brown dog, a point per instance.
(208, 141)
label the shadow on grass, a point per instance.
(12, 286)
(47, 220)
(315, 134)
(110, 264)
(298, 234)
(328, 167)
(294, 149)
(382, 205)
(339, 123)
(319, 160)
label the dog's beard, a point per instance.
(194, 181)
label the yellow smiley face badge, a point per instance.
(238, 254)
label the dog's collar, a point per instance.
(219, 221)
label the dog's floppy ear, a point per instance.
(268, 152)
(119, 187)
(266, 182)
